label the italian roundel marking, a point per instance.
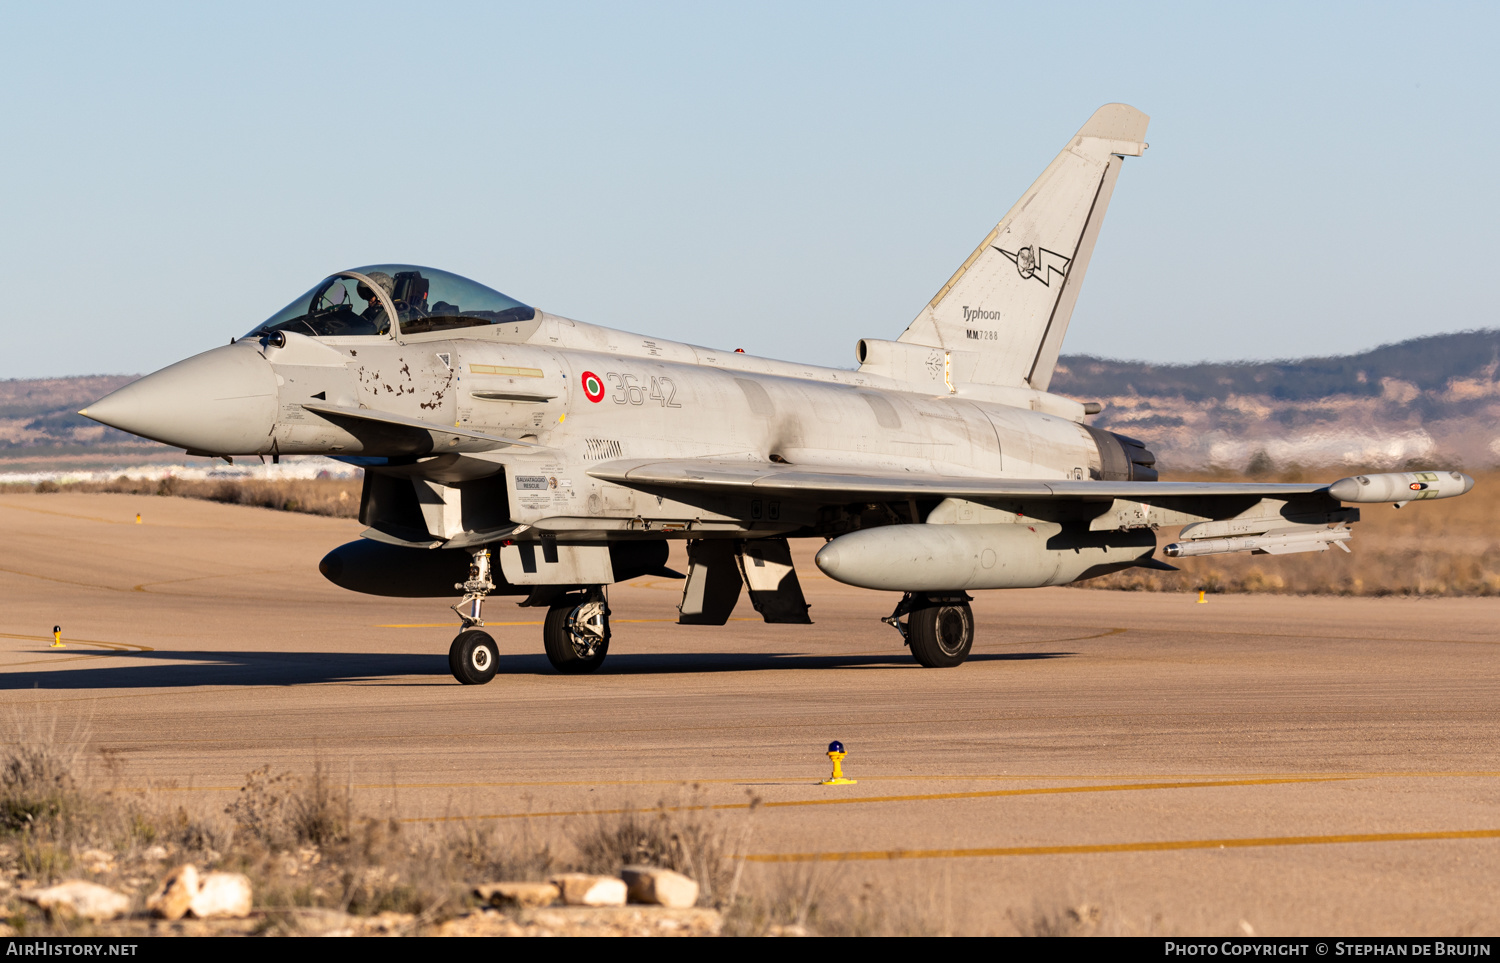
(593, 388)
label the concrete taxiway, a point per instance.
(1290, 765)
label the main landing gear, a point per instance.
(575, 633)
(939, 629)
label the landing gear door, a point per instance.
(766, 564)
(713, 583)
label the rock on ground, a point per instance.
(210, 896)
(583, 889)
(175, 894)
(222, 895)
(76, 897)
(517, 894)
(661, 887)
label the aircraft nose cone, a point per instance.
(221, 402)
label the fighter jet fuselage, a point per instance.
(550, 400)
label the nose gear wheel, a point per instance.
(472, 657)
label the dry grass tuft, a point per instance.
(816, 899)
(687, 837)
(283, 811)
(1081, 920)
(788, 901)
(38, 781)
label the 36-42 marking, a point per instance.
(628, 392)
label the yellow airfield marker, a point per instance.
(57, 642)
(836, 753)
(1201, 599)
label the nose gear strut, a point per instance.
(478, 586)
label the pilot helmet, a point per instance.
(385, 281)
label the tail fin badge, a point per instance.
(1038, 263)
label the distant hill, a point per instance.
(1430, 363)
(1429, 398)
(1421, 401)
(40, 427)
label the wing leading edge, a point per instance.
(819, 483)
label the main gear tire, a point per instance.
(941, 633)
(473, 657)
(576, 634)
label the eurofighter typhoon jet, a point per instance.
(508, 451)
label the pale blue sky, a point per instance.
(785, 178)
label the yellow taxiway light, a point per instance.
(836, 753)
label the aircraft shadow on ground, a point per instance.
(148, 670)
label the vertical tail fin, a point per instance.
(1010, 302)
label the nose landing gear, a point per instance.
(473, 656)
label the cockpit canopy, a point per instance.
(368, 300)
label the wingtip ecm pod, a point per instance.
(1273, 537)
(1401, 486)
